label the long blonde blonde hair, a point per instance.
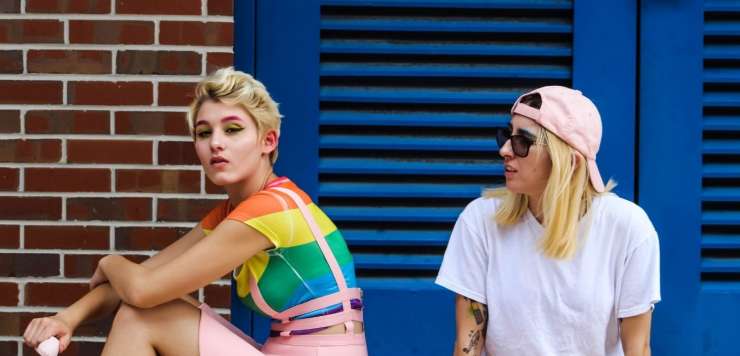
(234, 87)
(567, 197)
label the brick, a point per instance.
(14, 323)
(10, 236)
(29, 265)
(176, 94)
(8, 294)
(111, 32)
(151, 123)
(68, 6)
(97, 328)
(11, 62)
(102, 151)
(69, 62)
(221, 7)
(158, 62)
(31, 31)
(136, 238)
(10, 121)
(184, 209)
(76, 348)
(217, 296)
(10, 7)
(30, 92)
(8, 179)
(83, 266)
(31, 208)
(196, 33)
(67, 180)
(161, 7)
(110, 93)
(212, 188)
(177, 153)
(54, 294)
(134, 209)
(67, 122)
(33, 151)
(216, 60)
(67, 237)
(157, 181)
(9, 347)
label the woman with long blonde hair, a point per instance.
(553, 263)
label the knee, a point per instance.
(128, 315)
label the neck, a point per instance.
(534, 203)
(238, 192)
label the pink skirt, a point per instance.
(218, 337)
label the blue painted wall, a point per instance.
(641, 63)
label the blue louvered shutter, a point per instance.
(411, 95)
(720, 267)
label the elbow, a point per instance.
(642, 349)
(138, 295)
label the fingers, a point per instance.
(40, 329)
(64, 342)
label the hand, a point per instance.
(98, 277)
(40, 329)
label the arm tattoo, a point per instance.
(480, 313)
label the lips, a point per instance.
(508, 168)
(217, 160)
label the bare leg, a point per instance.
(167, 329)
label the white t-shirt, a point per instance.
(543, 306)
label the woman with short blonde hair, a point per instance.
(288, 259)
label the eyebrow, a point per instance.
(527, 133)
(225, 119)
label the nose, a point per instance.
(505, 150)
(217, 140)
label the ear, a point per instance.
(269, 141)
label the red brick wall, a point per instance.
(95, 156)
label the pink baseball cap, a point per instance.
(571, 116)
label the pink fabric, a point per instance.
(571, 116)
(317, 345)
(218, 337)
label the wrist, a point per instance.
(66, 317)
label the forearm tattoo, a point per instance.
(480, 313)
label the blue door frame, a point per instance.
(640, 62)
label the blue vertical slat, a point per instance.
(244, 56)
(605, 69)
(720, 241)
(287, 62)
(670, 162)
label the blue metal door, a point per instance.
(390, 112)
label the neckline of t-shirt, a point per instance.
(276, 182)
(532, 221)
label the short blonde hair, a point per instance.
(234, 87)
(567, 198)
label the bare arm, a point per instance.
(636, 334)
(100, 301)
(471, 322)
(228, 246)
(98, 304)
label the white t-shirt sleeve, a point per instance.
(465, 262)
(640, 288)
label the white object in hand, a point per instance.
(49, 347)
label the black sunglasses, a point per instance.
(520, 144)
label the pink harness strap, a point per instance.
(343, 296)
